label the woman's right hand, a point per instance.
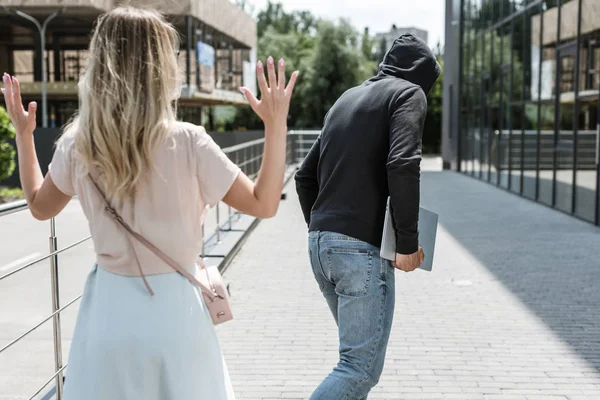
(275, 96)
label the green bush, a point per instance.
(7, 151)
(10, 194)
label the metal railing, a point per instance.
(248, 156)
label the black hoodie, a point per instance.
(369, 149)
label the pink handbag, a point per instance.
(214, 291)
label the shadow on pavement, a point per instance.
(547, 259)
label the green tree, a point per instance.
(328, 55)
(497, 66)
(275, 17)
(296, 49)
(382, 49)
(7, 151)
(305, 22)
(337, 64)
(331, 58)
(370, 52)
(290, 36)
(367, 44)
(438, 52)
(492, 11)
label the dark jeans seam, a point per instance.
(343, 239)
(325, 276)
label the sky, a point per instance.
(378, 15)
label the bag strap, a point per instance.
(212, 294)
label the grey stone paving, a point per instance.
(511, 311)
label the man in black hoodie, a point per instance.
(369, 149)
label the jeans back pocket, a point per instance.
(351, 270)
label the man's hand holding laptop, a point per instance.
(409, 262)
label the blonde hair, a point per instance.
(127, 97)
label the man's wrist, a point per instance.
(407, 245)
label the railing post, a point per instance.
(202, 254)
(229, 216)
(218, 228)
(55, 306)
(253, 158)
(237, 161)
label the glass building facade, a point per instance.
(523, 96)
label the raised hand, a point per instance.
(24, 121)
(275, 96)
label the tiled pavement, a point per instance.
(511, 311)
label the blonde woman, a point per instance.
(160, 175)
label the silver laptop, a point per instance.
(428, 222)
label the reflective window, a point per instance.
(530, 100)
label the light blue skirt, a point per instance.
(129, 345)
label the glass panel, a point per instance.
(515, 148)
(485, 14)
(486, 102)
(588, 110)
(520, 72)
(532, 58)
(472, 117)
(466, 102)
(486, 130)
(464, 92)
(495, 109)
(496, 6)
(564, 91)
(585, 198)
(546, 95)
(546, 152)
(508, 7)
(564, 139)
(511, 93)
(503, 131)
(464, 131)
(519, 5)
(477, 108)
(590, 63)
(529, 141)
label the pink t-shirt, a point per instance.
(190, 173)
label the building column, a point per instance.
(57, 57)
(451, 102)
(217, 45)
(188, 40)
(230, 60)
(4, 58)
(198, 36)
(37, 58)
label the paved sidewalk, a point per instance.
(511, 311)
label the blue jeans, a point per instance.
(359, 288)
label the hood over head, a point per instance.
(411, 59)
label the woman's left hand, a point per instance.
(24, 121)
